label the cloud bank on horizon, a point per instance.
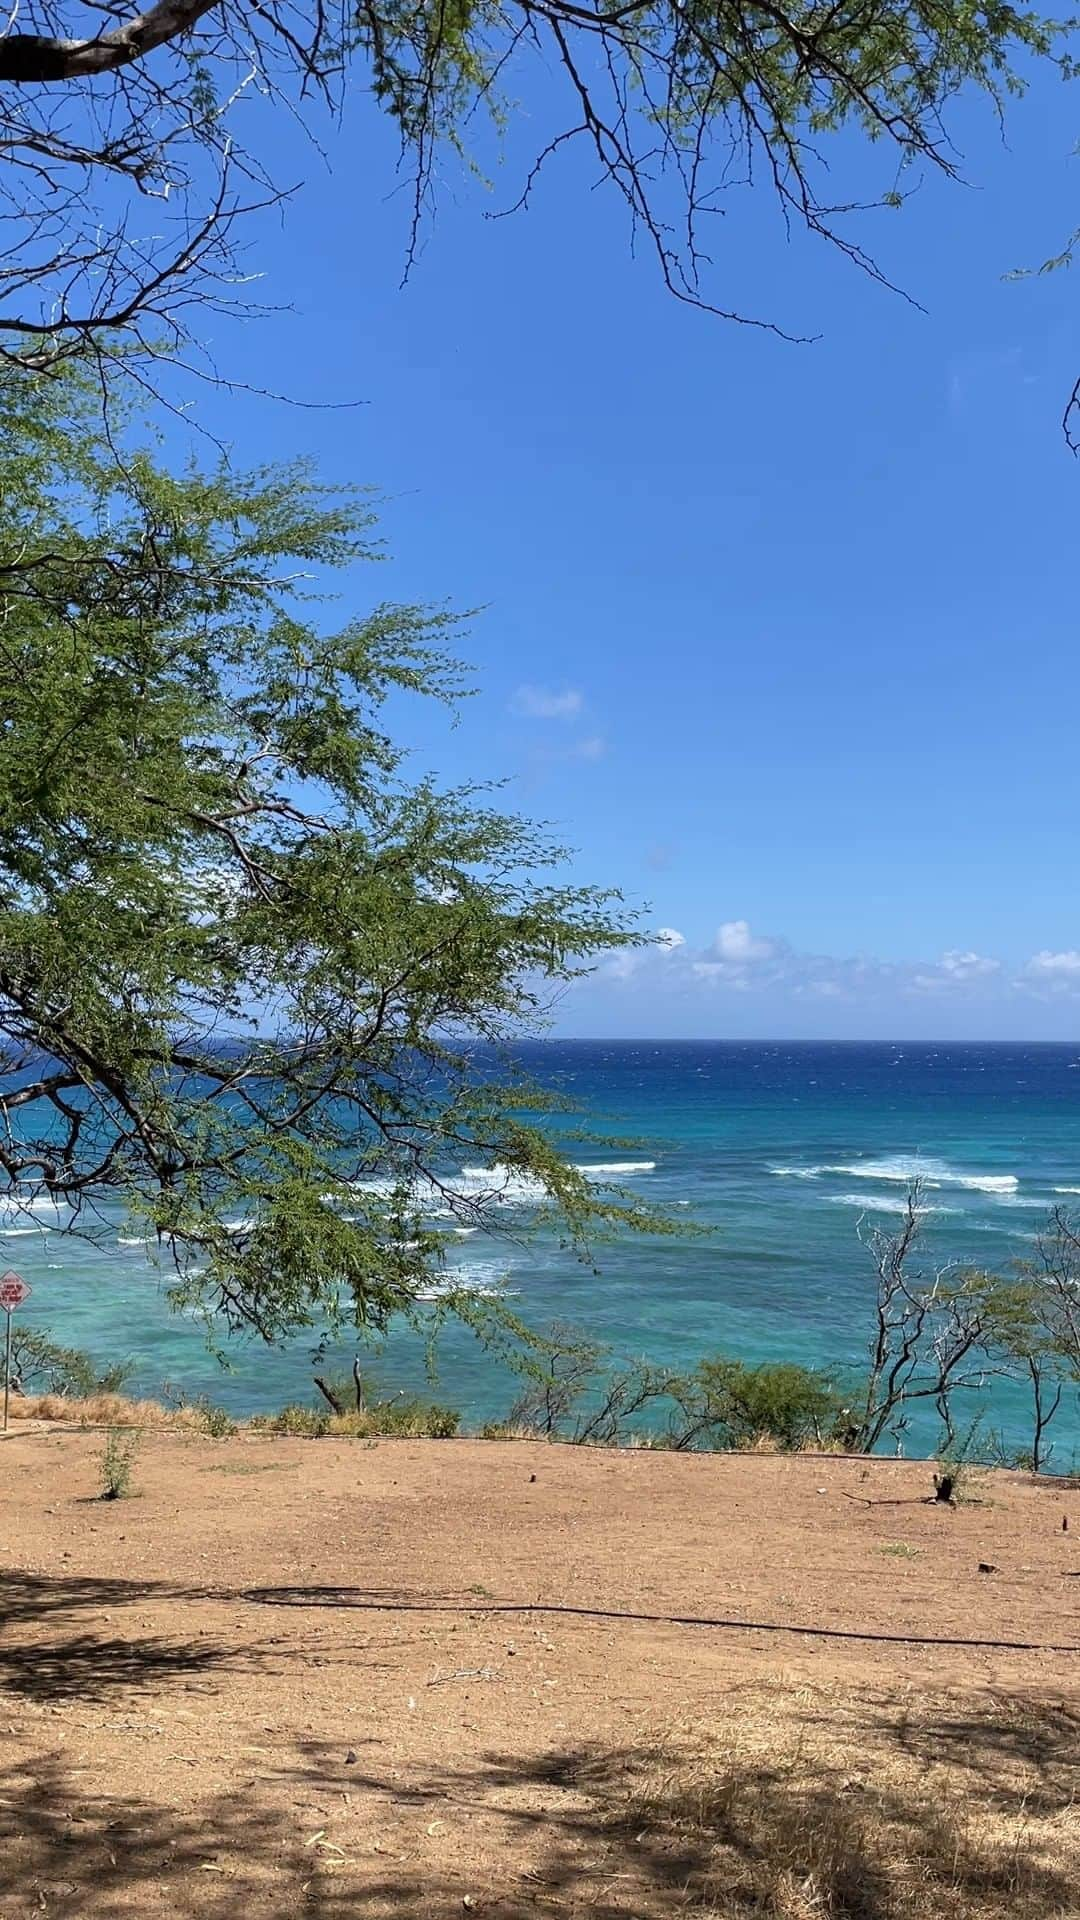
(743, 981)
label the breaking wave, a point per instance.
(903, 1169)
(880, 1203)
(616, 1166)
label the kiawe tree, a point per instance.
(131, 143)
(254, 980)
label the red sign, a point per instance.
(13, 1291)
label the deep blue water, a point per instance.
(779, 1148)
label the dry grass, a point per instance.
(105, 1410)
(822, 1806)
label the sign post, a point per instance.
(13, 1291)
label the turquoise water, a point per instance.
(780, 1149)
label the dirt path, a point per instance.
(422, 1678)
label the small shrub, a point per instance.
(959, 1453)
(728, 1404)
(116, 1462)
(400, 1419)
(216, 1422)
(309, 1423)
(412, 1419)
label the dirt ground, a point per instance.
(421, 1678)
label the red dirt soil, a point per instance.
(418, 1678)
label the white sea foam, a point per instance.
(599, 1168)
(484, 1278)
(1067, 1189)
(903, 1169)
(796, 1173)
(505, 1186)
(496, 1185)
(19, 1233)
(880, 1203)
(14, 1204)
(131, 1240)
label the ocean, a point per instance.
(779, 1149)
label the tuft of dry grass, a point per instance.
(809, 1805)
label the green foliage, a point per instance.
(116, 1463)
(217, 1422)
(259, 960)
(40, 1365)
(575, 1393)
(308, 1423)
(402, 1418)
(727, 1403)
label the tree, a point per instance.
(252, 980)
(40, 1365)
(1027, 1348)
(1037, 1314)
(125, 174)
(933, 1336)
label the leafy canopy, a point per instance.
(132, 146)
(245, 962)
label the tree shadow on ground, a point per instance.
(699, 1824)
(93, 1667)
(839, 1803)
(32, 1596)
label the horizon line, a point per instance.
(779, 1040)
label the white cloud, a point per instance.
(928, 983)
(740, 961)
(1055, 965)
(736, 944)
(717, 973)
(593, 747)
(960, 965)
(621, 966)
(544, 703)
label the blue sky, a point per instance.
(781, 637)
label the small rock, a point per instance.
(532, 1477)
(350, 1758)
(987, 1566)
